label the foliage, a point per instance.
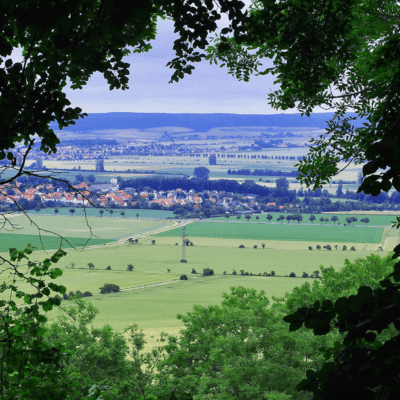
(240, 349)
(183, 278)
(130, 267)
(108, 268)
(109, 288)
(29, 368)
(208, 272)
(201, 173)
(212, 159)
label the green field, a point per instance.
(374, 220)
(20, 241)
(292, 231)
(79, 227)
(116, 212)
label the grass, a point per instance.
(78, 227)
(116, 213)
(292, 231)
(375, 220)
(8, 241)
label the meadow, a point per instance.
(374, 219)
(287, 232)
(116, 212)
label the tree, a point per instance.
(280, 218)
(263, 245)
(153, 241)
(91, 179)
(56, 211)
(123, 213)
(183, 278)
(282, 185)
(349, 220)
(100, 164)
(109, 288)
(318, 247)
(137, 215)
(111, 212)
(101, 213)
(129, 267)
(269, 217)
(72, 211)
(79, 178)
(334, 219)
(365, 220)
(248, 217)
(257, 217)
(212, 160)
(322, 219)
(201, 173)
(91, 265)
(312, 218)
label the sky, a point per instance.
(210, 89)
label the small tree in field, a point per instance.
(280, 218)
(122, 213)
(108, 268)
(153, 242)
(257, 217)
(309, 248)
(91, 265)
(334, 219)
(344, 248)
(318, 247)
(137, 215)
(72, 211)
(312, 218)
(111, 212)
(263, 245)
(109, 288)
(129, 267)
(238, 216)
(183, 278)
(194, 271)
(365, 220)
(101, 213)
(269, 217)
(56, 211)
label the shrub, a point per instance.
(265, 273)
(246, 273)
(168, 270)
(309, 248)
(353, 248)
(183, 260)
(194, 271)
(234, 272)
(255, 246)
(208, 272)
(153, 242)
(292, 275)
(109, 288)
(241, 246)
(344, 248)
(129, 267)
(78, 293)
(183, 278)
(224, 272)
(305, 275)
(87, 294)
(65, 296)
(272, 273)
(318, 247)
(71, 294)
(108, 268)
(176, 244)
(242, 272)
(191, 243)
(315, 274)
(58, 297)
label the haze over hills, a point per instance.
(194, 122)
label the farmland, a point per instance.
(295, 232)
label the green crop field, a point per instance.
(20, 241)
(374, 220)
(116, 212)
(79, 227)
(293, 231)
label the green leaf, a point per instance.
(55, 273)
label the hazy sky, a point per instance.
(210, 89)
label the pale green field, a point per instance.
(155, 308)
(71, 226)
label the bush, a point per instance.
(168, 270)
(315, 274)
(246, 273)
(234, 272)
(129, 267)
(65, 296)
(183, 260)
(109, 288)
(344, 248)
(309, 248)
(87, 294)
(241, 246)
(305, 275)
(292, 275)
(242, 272)
(183, 278)
(353, 248)
(224, 272)
(272, 273)
(255, 246)
(194, 271)
(208, 272)
(108, 268)
(176, 244)
(153, 242)
(78, 293)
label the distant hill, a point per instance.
(194, 122)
